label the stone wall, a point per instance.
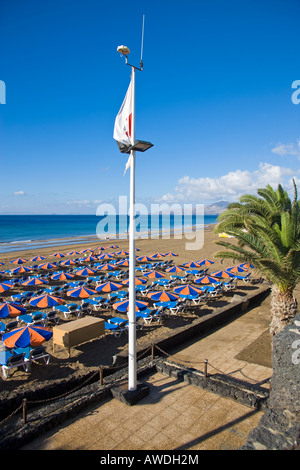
(279, 428)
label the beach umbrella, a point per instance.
(21, 269)
(222, 274)
(114, 247)
(122, 253)
(143, 259)
(89, 259)
(206, 280)
(175, 269)
(11, 310)
(236, 269)
(35, 281)
(163, 296)
(106, 267)
(68, 262)
(47, 266)
(192, 264)
(108, 287)
(38, 258)
(19, 261)
(81, 292)
(58, 255)
(124, 262)
(72, 253)
(1, 263)
(247, 265)
(205, 262)
(138, 281)
(106, 256)
(88, 250)
(157, 255)
(61, 276)
(123, 306)
(5, 286)
(170, 253)
(101, 248)
(155, 274)
(187, 290)
(46, 300)
(85, 272)
(137, 249)
(31, 335)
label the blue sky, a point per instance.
(214, 98)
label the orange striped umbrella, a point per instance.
(108, 287)
(19, 261)
(81, 292)
(27, 336)
(163, 296)
(44, 301)
(187, 290)
(5, 286)
(155, 274)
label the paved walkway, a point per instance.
(175, 415)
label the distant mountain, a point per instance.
(216, 208)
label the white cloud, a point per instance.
(84, 202)
(230, 186)
(19, 193)
(287, 149)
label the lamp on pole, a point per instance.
(140, 146)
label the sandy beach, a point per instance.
(90, 355)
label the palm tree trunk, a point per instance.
(283, 309)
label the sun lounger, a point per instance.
(10, 361)
(243, 278)
(173, 306)
(116, 326)
(33, 318)
(33, 354)
(66, 309)
(2, 328)
(150, 315)
(52, 317)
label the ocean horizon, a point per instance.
(21, 232)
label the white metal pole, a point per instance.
(132, 380)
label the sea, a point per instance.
(24, 232)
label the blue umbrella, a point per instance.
(11, 310)
(27, 336)
(35, 281)
(5, 286)
(123, 306)
(44, 301)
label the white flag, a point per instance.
(123, 122)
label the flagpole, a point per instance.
(132, 374)
(132, 146)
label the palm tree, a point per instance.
(266, 229)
